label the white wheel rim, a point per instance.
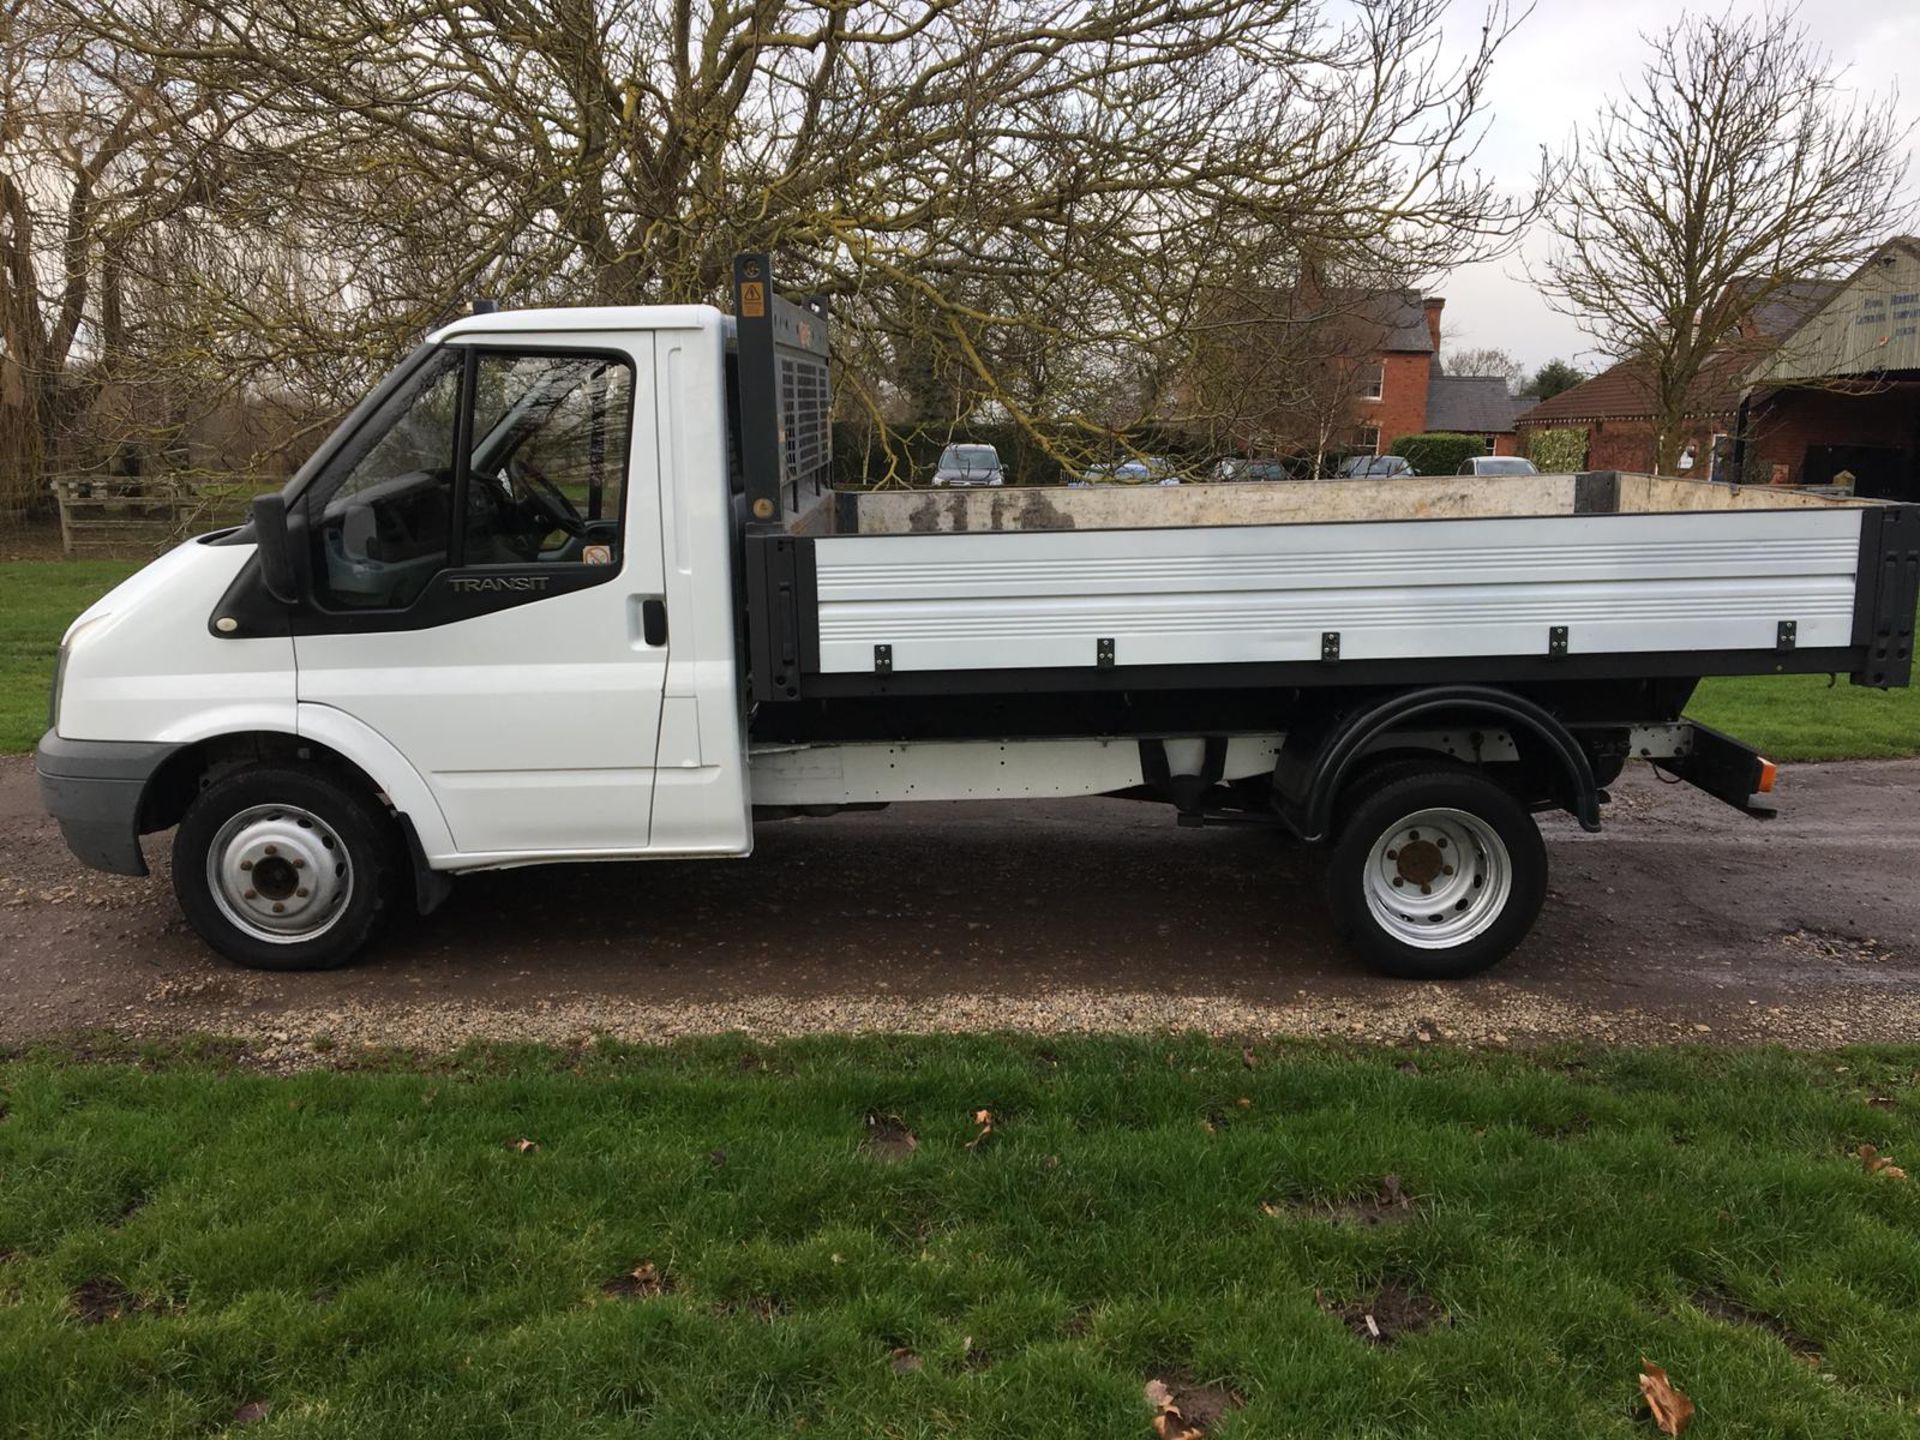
(1438, 878)
(280, 874)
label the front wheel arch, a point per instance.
(192, 768)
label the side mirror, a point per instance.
(276, 554)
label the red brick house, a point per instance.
(1402, 392)
(1616, 411)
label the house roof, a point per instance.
(1625, 392)
(1474, 404)
(1791, 306)
(1399, 315)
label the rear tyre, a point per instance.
(1436, 873)
(286, 869)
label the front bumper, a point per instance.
(93, 788)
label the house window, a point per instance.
(1367, 438)
(1372, 378)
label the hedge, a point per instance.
(1438, 452)
(1560, 451)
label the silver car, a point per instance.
(969, 465)
(1499, 465)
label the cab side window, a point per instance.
(382, 517)
(549, 459)
(543, 478)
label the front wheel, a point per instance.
(1437, 872)
(285, 869)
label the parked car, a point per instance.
(1250, 470)
(1147, 470)
(1374, 467)
(969, 465)
(1499, 465)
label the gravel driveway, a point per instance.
(1684, 921)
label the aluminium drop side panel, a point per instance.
(1620, 584)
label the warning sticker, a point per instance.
(597, 555)
(753, 298)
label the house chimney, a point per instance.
(1434, 304)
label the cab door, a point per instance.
(486, 589)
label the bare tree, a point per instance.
(1484, 360)
(1738, 165)
(1011, 201)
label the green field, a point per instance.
(1790, 717)
(1802, 717)
(372, 1254)
(38, 600)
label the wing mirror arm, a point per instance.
(275, 550)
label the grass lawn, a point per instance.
(1789, 717)
(38, 600)
(727, 1239)
(1798, 717)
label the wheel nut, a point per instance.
(273, 849)
(1393, 854)
(301, 892)
(1398, 882)
(1446, 869)
(246, 864)
(1424, 890)
(299, 864)
(250, 895)
(278, 908)
(1441, 842)
(1411, 835)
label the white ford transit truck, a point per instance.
(572, 585)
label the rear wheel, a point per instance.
(1437, 872)
(284, 869)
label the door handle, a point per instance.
(653, 621)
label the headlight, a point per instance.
(53, 696)
(74, 633)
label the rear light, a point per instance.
(1767, 771)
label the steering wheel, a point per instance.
(551, 499)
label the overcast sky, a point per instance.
(1554, 74)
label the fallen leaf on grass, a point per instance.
(905, 1362)
(251, 1411)
(1168, 1422)
(1874, 1163)
(1267, 1207)
(1671, 1410)
(984, 1119)
(1244, 1102)
(1185, 1409)
(1248, 1058)
(522, 1145)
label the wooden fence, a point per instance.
(114, 516)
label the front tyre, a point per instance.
(285, 869)
(1437, 873)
